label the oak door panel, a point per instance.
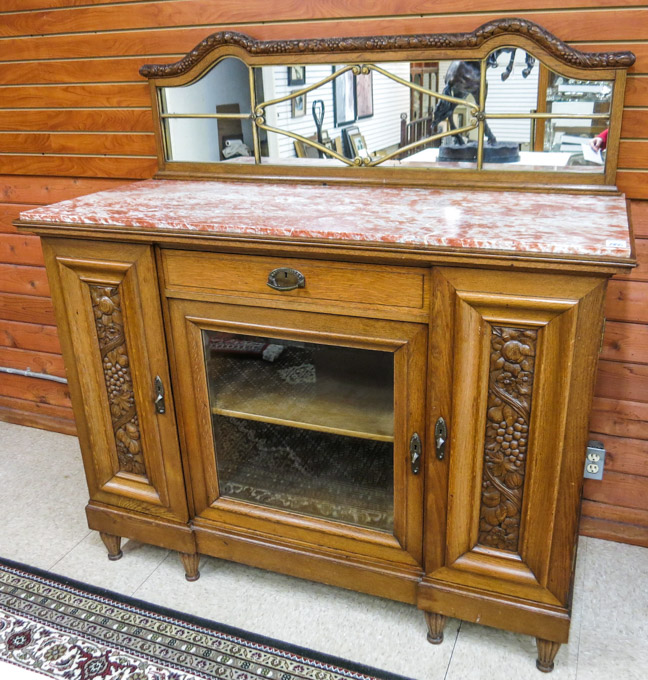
(520, 366)
(407, 342)
(111, 331)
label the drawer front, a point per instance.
(334, 283)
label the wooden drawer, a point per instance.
(363, 288)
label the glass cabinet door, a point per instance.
(303, 427)
(299, 424)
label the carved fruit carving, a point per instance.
(445, 41)
(512, 364)
(119, 384)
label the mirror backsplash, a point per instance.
(412, 114)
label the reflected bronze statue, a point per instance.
(461, 80)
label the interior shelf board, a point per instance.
(362, 409)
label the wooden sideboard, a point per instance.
(440, 355)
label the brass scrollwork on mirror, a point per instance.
(508, 98)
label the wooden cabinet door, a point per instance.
(517, 353)
(109, 317)
(324, 395)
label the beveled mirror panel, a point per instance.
(508, 97)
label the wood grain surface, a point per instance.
(75, 118)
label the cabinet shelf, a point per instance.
(364, 411)
(336, 398)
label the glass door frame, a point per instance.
(408, 342)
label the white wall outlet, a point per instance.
(594, 460)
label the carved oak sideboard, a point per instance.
(380, 387)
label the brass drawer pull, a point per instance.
(286, 278)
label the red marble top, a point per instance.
(522, 222)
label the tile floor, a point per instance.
(42, 496)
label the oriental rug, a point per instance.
(69, 630)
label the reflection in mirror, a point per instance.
(413, 114)
(518, 85)
(583, 97)
(428, 115)
(209, 119)
(360, 118)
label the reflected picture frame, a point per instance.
(344, 99)
(358, 145)
(298, 105)
(364, 95)
(296, 75)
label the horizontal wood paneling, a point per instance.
(73, 71)
(37, 362)
(627, 301)
(37, 414)
(17, 5)
(188, 12)
(44, 190)
(616, 513)
(624, 454)
(35, 389)
(635, 124)
(10, 212)
(628, 26)
(633, 154)
(616, 488)
(27, 308)
(639, 218)
(75, 96)
(625, 342)
(23, 280)
(78, 120)
(640, 272)
(620, 418)
(95, 143)
(633, 184)
(636, 93)
(29, 336)
(611, 530)
(622, 381)
(76, 73)
(21, 249)
(80, 166)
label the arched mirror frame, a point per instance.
(549, 50)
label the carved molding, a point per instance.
(106, 305)
(447, 41)
(512, 365)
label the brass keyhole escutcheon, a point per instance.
(286, 278)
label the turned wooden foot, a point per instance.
(191, 562)
(112, 543)
(547, 651)
(435, 623)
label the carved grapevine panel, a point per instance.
(512, 364)
(106, 305)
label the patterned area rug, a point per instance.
(65, 629)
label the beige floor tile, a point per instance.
(88, 562)
(614, 631)
(42, 495)
(42, 499)
(365, 629)
(487, 654)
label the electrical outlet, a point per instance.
(594, 460)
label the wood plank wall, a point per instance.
(75, 118)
